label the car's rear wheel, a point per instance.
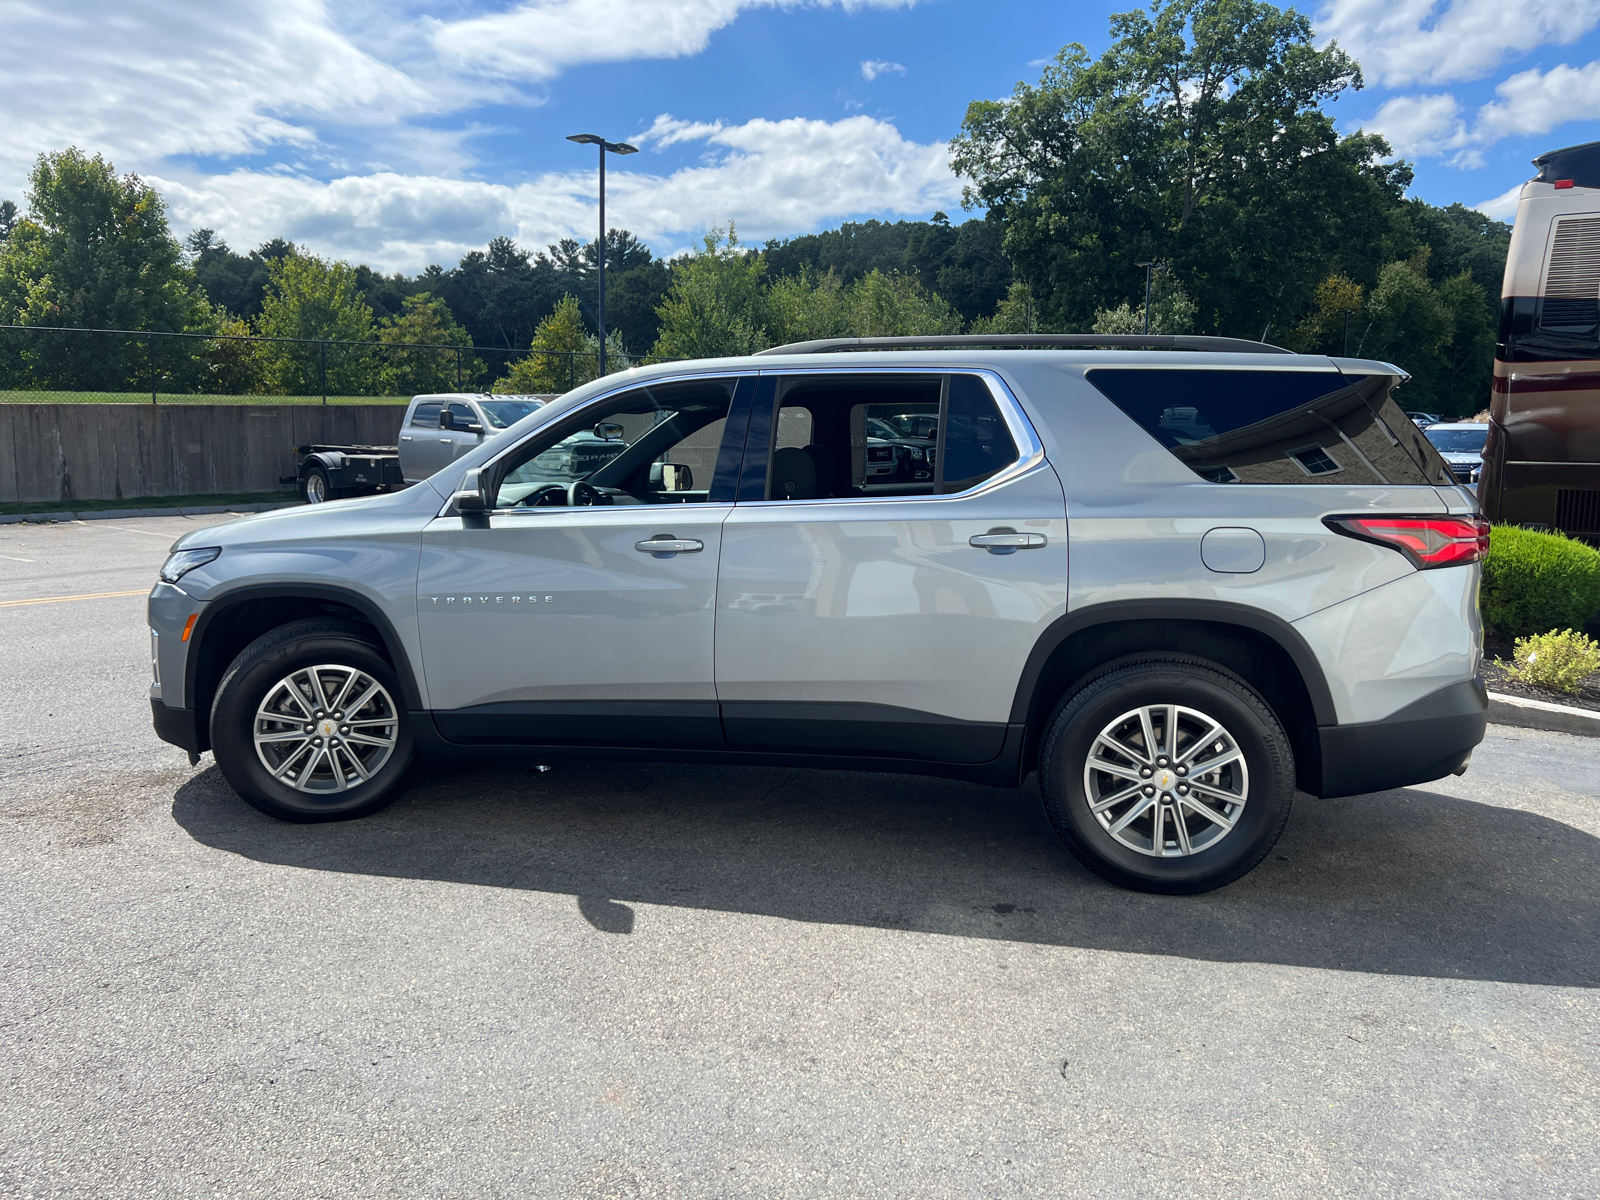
(1167, 774)
(308, 724)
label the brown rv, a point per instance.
(1542, 462)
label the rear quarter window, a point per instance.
(1234, 426)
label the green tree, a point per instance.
(803, 307)
(1017, 313)
(95, 251)
(317, 304)
(714, 306)
(1171, 310)
(880, 305)
(563, 355)
(409, 367)
(1197, 139)
(8, 218)
(1440, 336)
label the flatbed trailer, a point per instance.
(334, 472)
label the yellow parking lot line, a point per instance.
(64, 599)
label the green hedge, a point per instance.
(1537, 582)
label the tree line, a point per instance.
(1199, 142)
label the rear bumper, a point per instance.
(176, 725)
(1426, 740)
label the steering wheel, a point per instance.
(580, 493)
(541, 496)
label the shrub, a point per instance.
(1537, 582)
(1556, 660)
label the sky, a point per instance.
(403, 133)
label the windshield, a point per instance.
(1457, 441)
(502, 413)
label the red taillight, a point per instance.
(1563, 183)
(1426, 541)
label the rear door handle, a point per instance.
(405, 437)
(665, 546)
(1006, 541)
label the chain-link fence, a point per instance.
(53, 365)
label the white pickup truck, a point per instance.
(436, 429)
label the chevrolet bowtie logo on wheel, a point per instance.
(488, 601)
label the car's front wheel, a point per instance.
(308, 724)
(1167, 774)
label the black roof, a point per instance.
(1034, 341)
(1581, 164)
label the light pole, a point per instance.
(594, 139)
(1148, 268)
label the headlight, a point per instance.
(916, 453)
(184, 561)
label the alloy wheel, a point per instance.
(1166, 780)
(326, 729)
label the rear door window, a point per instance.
(1238, 426)
(426, 416)
(840, 436)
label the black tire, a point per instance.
(315, 489)
(270, 661)
(1248, 726)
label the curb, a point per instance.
(1541, 714)
(113, 514)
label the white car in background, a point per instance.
(1460, 443)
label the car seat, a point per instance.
(794, 475)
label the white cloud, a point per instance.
(1417, 125)
(772, 178)
(1404, 42)
(1537, 101)
(1529, 102)
(1503, 207)
(538, 39)
(873, 67)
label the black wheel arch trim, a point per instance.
(1216, 612)
(330, 593)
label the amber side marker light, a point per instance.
(188, 626)
(1427, 541)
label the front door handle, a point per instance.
(1006, 541)
(664, 545)
(447, 441)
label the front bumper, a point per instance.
(1426, 740)
(180, 726)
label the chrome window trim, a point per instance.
(1305, 369)
(633, 385)
(1030, 449)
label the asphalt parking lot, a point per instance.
(674, 981)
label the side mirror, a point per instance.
(474, 428)
(447, 419)
(470, 501)
(608, 431)
(671, 477)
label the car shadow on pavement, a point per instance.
(1408, 883)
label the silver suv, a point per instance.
(1177, 584)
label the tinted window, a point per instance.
(1232, 426)
(977, 443)
(842, 436)
(427, 415)
(461, 414)
(502, 413)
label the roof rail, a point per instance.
(1033, 341)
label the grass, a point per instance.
(42, 506)
(183, 398)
